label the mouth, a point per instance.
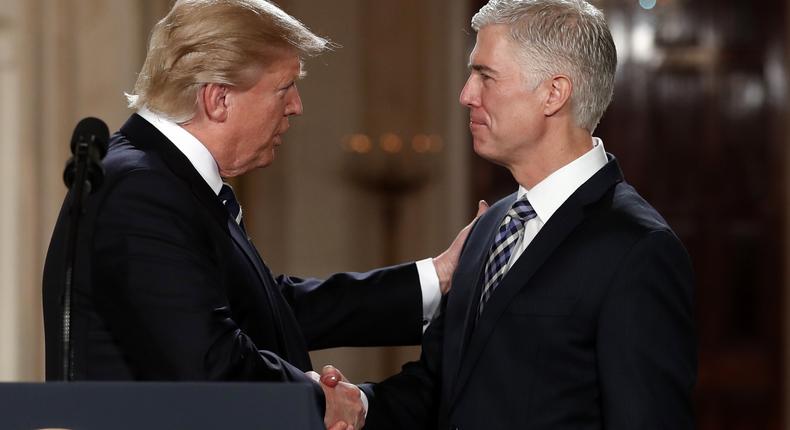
(476, 124)
(278, 137)
(477, 119)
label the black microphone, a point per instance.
(83, 175)
(88, 145)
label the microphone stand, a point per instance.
(79, 190)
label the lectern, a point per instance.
(154, 406)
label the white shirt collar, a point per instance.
(189, 145)
(549, 194)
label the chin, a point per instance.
(481, 147)
(485, 151)
(265, 163)
(265, 159)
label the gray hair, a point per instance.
(561, 36)
(214, 41)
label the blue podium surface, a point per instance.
(154, 405)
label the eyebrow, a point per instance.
(481, 69)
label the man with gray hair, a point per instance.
(167, 285)
(572, 304)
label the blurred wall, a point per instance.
(59, 61)
(321, 209)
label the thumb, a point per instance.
(482, 206)
(330, 376)
(340, 425)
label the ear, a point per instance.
(560, 89)
(213, 100)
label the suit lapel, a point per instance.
(145, 136)
(553, 233)
(243, 243)
(463, 298)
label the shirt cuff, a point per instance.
(431, 293)
(364, 399)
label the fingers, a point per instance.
(343, 404)
(482, 206)
(446, 262)
(344, 408)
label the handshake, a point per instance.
(346, 406)
(345, 409)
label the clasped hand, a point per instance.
(344, 407)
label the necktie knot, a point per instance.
(521, 210)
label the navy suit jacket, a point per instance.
(168, 286)
(591, 328)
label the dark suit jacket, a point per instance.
(591, 328)
(168, 287)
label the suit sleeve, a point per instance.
(157, 286)
(411, 398)
(646, 340)
(378, 308)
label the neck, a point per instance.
(555, 151)
(204, 134)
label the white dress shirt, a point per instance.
(549, 194)
(204, 163)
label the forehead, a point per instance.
(276, 72)
(493, 49)
(284, 64)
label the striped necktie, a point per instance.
(228, 198)
(510, 231)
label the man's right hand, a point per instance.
(344, 408)
(446, 262)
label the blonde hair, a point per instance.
(561, 36)
(214, 41)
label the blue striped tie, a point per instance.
(510, 232)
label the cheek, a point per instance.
(272, 117)
(516, 113)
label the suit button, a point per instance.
(455, 428)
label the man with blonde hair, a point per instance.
(167, 285)
(572, 304)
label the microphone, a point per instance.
(83, 175)
(88, 145)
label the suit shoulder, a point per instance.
(124, 157)
(131, 168)
(623, 212)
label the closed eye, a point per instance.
(288, 87)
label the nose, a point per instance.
(470, 94)
(294, 106)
